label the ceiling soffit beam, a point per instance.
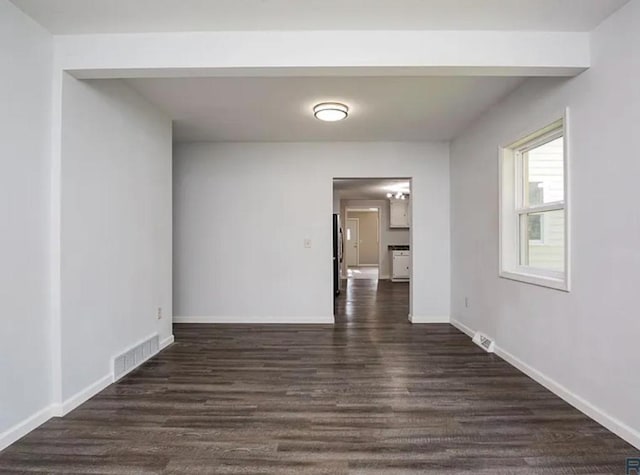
(295, 53)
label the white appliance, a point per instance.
(400, 266)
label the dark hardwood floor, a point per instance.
(372, 394)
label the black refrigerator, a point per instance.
(337, 253)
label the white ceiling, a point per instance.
(279, 109)
(369, 188)
(129, 16)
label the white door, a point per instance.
(351, 242)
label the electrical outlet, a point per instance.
(159, 313)
(466, 302)
(307, 243)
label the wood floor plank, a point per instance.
(371, 394)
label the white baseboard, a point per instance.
(601, 417)
(462, 327)
(166, 342)
(384, 277)
(22, 428)
(87, 393)
(256, 320)
(429, 319)
(82, 396)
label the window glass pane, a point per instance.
(534, 227)
(543, 240)
(544, 173)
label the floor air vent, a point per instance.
(135, 356)
(484, 342)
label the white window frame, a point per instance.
(512, 208)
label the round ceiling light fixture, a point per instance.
(331, 111)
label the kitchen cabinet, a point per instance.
(400, 266)
(399, 213)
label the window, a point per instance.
(533, 208)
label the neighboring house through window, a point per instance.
(536, 195)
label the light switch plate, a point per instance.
(307, 243)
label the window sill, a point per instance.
(536, 279)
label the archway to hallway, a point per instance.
(372, 250)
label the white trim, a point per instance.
(549, 282)
(429, 319)
(82, 396)
(256, 320)
(378, 211)
(18, 431)
(462, 327)
(87, 393)
(384, 277)
(164, 343)
(540, 137)
(508, 267)
(555, 206)
(601, 417)
(614, 425)
(567, 199)
(21, 429)
(55, 236)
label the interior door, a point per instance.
(351, 242)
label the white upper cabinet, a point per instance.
(399, 213)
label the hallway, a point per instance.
(370, 394)
(372, 301)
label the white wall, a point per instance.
(242, 212)
(585, 341)
(25, 98)
(388, 235)
(115, 227)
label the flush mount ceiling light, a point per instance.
(398, 196)
(399, 191)
(330, 111)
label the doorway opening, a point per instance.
(372, 247)
(362, 242)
